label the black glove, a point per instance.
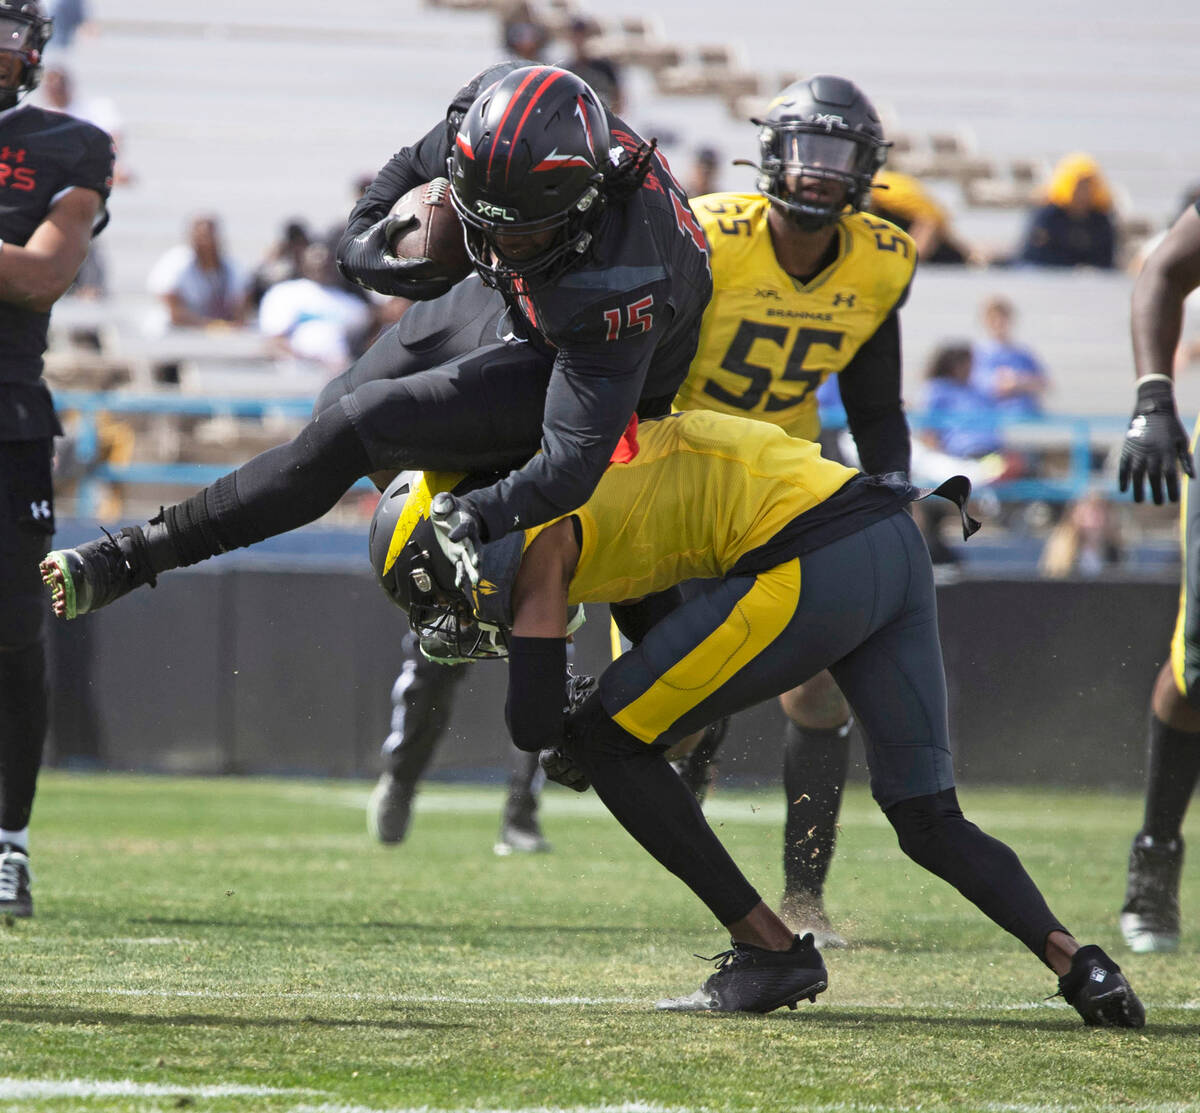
(368, 261)
(459, 533)
(561, 769)
(1154, 442)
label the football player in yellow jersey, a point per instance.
(758, 514)
(805, 285)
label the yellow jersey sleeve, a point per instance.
(767, 341)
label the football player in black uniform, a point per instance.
(55, 176)
(806, 285)
(1156, 448)
(604, 274)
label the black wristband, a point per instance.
(1156, 395)
(537, 669)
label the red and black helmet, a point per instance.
(24, 31)
(529, 161)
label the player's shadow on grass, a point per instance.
(858, 1018)
(56, 1014)
(441, 927)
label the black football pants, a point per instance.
(26, 529)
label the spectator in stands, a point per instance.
(904, 201)
(199, 284)
(601, 73)
(312, 317)
(523, 35)
(1007, 372)
(1086, 542)
(283, 262)
(704, 178)
(70, 17)
(1075, 227)
(963, 418)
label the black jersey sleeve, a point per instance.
(406, 169)
(422, 162)
(870, 389)
(592, 394)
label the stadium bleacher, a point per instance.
(264, 110)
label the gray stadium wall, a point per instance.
(285, 671)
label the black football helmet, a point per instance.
(24, 31)
(527, 174)
(817, 131)
(419, 578)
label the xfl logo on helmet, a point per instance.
(495, 212)
(829, 122)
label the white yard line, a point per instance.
(31, 1089)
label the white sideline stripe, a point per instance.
(503, 999)
(829, 1107)
(148, 940)
(623, 1107)
(15, 1089)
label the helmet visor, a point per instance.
(809, 150)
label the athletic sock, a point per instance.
(1173, 766)
(23, 715)
(16, 838)
(814, 773)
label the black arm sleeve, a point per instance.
(405, 170)
(588, 406)
(870, 389)
(537, 668)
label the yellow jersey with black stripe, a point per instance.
(767, 340)
(703, 491)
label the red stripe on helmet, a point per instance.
(532, 76)
(465, 147)
(537, 94)
(581, 108)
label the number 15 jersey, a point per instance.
(767, 340)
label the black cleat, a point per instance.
(1150, 914)
(1100, 992)
(389, 808)
(15, 878)
(521, 836)
(92, 576)
(752, 980)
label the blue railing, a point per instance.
(1078, 434)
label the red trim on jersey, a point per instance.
(627, 446)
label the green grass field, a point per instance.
(241, 944)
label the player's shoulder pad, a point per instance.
(732, 222)
(891, 250)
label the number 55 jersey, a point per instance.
(768, 340)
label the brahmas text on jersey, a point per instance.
(42, 155)
(767, 341)
(706, 494)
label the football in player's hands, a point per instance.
(431, 231)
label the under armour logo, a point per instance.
(844, 299)
(41, 509)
